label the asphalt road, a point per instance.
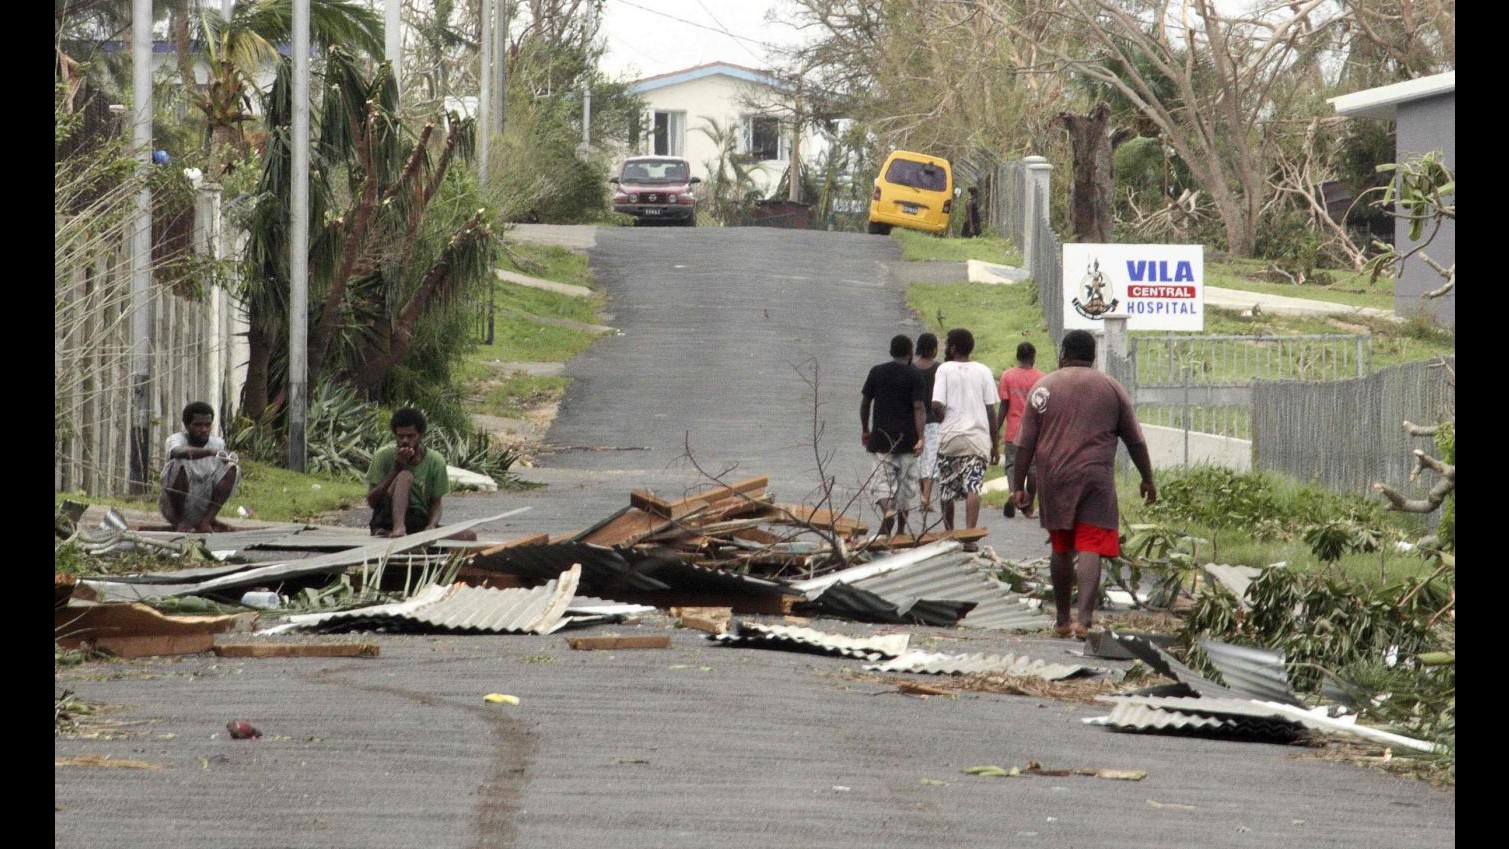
(699, 745)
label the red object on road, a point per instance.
(240, 729)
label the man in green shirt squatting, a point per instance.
(410, 474)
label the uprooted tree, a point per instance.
(1424, 192)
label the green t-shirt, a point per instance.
(430, 478)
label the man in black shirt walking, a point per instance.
(894, 391)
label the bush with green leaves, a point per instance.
(1219, 497)
(1322, 621)
(342, 432)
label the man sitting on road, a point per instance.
(199, 475)
(407, 473)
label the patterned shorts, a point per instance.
(960, 476)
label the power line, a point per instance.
(734, 36)
(724, 28)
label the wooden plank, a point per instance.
(154, 645)
(475, 577)
(820, 517)
(528, 539)
(633, 525)
(744, 487)
(757, 536)
(642, 641)
(713, 620)
(88, 621)
(910, 541)
(643, 499)
(297, 650)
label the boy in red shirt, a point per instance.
(1015, 384)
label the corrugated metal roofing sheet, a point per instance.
(1268, 720)
(1166, 664)
(851, 602)
(1255, 673)
(1129, 716)
(338, 561)
(879, 566)
(1235, 578)
(934, 663)
(676, 574)
(957, 577)
(456, 609)
(807, 639)
(603, 569)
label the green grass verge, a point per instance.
(272, 494)
(549, 262)
(1347, 287)
(919, 246)
(1238, 547)
(517, 393)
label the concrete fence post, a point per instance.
(1038, 170)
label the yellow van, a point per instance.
(914, 190)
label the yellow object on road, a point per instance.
(500, 698)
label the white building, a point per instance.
(686, 108)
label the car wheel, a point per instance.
(690, 221)
(878, 229)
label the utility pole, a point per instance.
(587, 84)
(485, 98)
(298, 245)
(393, 40)
(141, 245)
(501, 61)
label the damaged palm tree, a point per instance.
(402, 249)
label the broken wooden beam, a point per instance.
(821, 517)
(638, 641)
(910, 541)
(713, 620)
(528, 539)
(297, 650)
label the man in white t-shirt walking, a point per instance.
(964, 393)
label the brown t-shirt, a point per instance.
(1072, 421)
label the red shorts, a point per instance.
(1103, 541)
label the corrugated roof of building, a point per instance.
(935, 663)
(807, 639)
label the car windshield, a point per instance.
(918, 175)
(656, 171)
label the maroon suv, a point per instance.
(656, 188)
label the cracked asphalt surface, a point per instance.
(698, 745)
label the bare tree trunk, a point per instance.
(1093, 188)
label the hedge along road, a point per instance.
(699, 745)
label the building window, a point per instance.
(763, 139)
(666, 132)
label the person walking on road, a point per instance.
(199, 475)
(1074, 417)
(1016, 382)
(893, 391)
(964, 393)
(926, 364)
